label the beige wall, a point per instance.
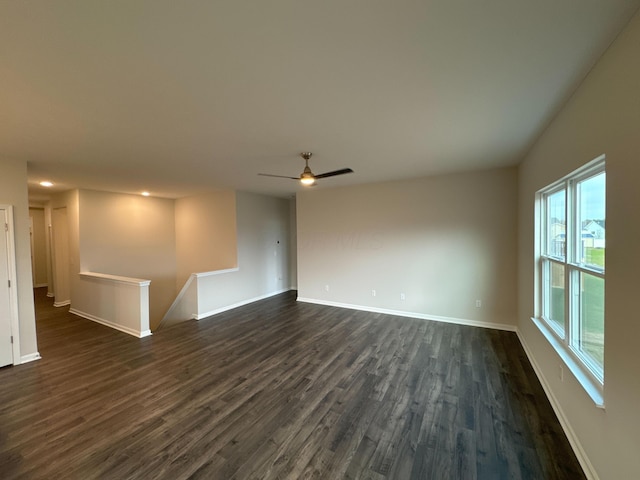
(206, 237)
(135, 236)
(38, 240)
(132, 236)
(13, 191)
(263, 242)
(602, 117)
(444, 242)
(263, 251)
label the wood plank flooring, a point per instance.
(278, 390)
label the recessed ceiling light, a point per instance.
(145, 194)
(46, 183)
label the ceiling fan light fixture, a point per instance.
(307, 179)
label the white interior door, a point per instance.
(6, 348)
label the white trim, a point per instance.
(588, 372)
(591, 385)
(200, 316)
(215, 272)
(30, 358)
(117, 278)
(62, 304)
(178, 299)
(93, 318)
(587, 467)
(421, 316)
(40, 285)
(13, 278)
(580, 173)
(184, 289)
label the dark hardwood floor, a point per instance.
(281, 390)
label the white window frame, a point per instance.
(585, 370)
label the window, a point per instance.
(571, 269)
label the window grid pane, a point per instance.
(556, 296)
(590, 338)
(591, 207)
(572, 264)
(556, 231)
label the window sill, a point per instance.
(593, 388)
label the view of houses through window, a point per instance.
(572, 263)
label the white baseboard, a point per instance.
(587, 467)
(108, 323)
(421, 316)
(40, 285)
(62, 304)
(200, 316)
(51, 294)
(30, 358)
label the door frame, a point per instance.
(32, 249)
(60, 245)
(13, 278)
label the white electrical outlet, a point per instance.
(373, 293)
(326, 288)
(478, 303)
(402, 297)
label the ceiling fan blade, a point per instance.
(334, 173)
(278, 176)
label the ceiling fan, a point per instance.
(307, 177)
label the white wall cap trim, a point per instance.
(216, 272)
(117, 278)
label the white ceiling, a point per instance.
(180, 97)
